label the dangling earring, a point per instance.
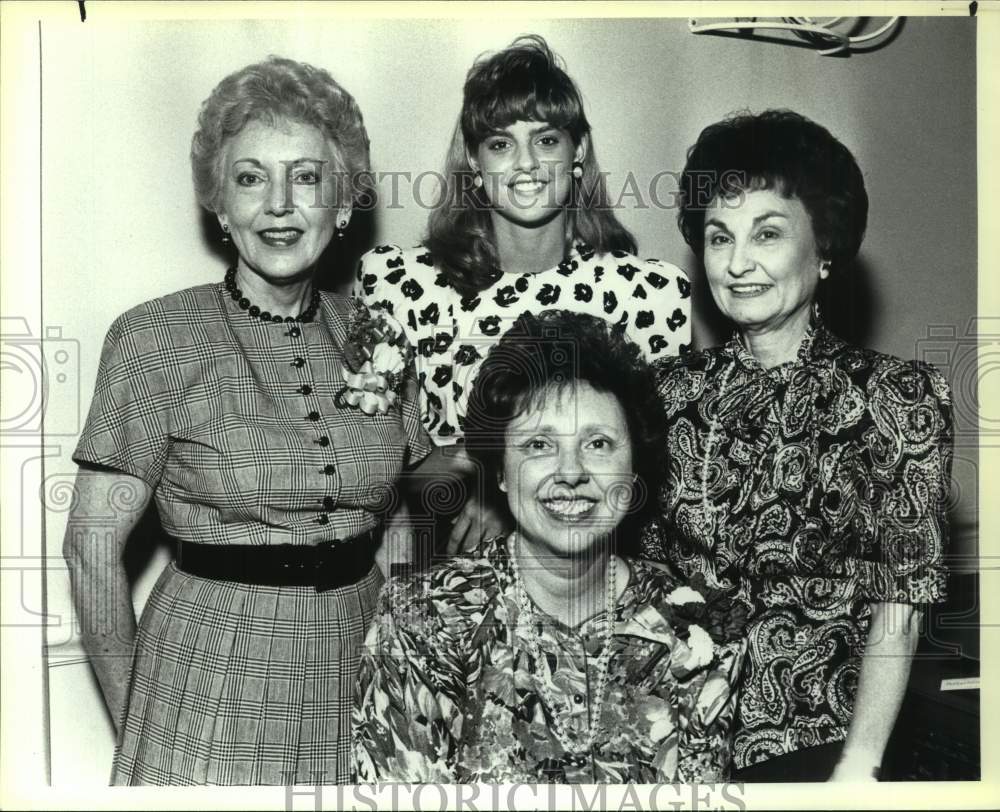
(339, 231)
(225, 234)
(577, 169)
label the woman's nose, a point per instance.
(740, 260)
(279, 201)
(526, 159)
(571, 471)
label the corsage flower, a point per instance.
(376, 353)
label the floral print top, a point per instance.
(448, 692)
(452, 333)
(825, 482)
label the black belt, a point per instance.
(327, 565)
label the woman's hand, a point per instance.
(108, 506)
(479, 519)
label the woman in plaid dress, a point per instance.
(225, 403)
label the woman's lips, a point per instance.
(527, 186)
(748, 291)
(280, 237)
(570, 510)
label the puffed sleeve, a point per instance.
(902, 527)
(660, 302)
(398, 282)
(128, 425)
(405, 729)
(379, 282)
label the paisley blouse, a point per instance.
(817, 488)
(448, 691)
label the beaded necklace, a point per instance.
(305, 316)
(603, 660)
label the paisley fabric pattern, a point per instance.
(825, 482)
(448, 691)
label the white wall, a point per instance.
(120, 224)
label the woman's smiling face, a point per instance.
(278, 198)
(567, 469)
(527, 170)
(761, 260)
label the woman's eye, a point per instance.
(600, 444)
(249, 179)
(536, 445)
(497, 145)
(768, 234)
(549, 140)
(307, 177)
(718, 238)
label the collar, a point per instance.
(816, 345)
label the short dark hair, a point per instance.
(554, 350)
(784, 151)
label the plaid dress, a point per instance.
(233, 423)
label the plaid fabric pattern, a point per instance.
(239, 684)
(233, 422)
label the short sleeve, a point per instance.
(902, 529)
(380, 282)
(403, 283)
(128, 425)
(657, 306)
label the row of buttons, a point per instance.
(328, 502)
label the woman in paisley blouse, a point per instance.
(807, 472)
(549, 655)
(525, 224)
(221, 403)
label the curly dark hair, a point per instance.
(524, 82)
(553, 350)
(784, 151)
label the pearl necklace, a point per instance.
(305, 316)
(603, 660)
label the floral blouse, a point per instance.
(453, 333)
(448, 692)
(825, 482)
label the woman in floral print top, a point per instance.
(810, 474)
(550, 656)
(525, 224)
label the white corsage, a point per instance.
(702, 648)
(376, 353)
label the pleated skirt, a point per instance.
(236, 684)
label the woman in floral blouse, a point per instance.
(550, 656)
(525, 225)
(809, 473)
